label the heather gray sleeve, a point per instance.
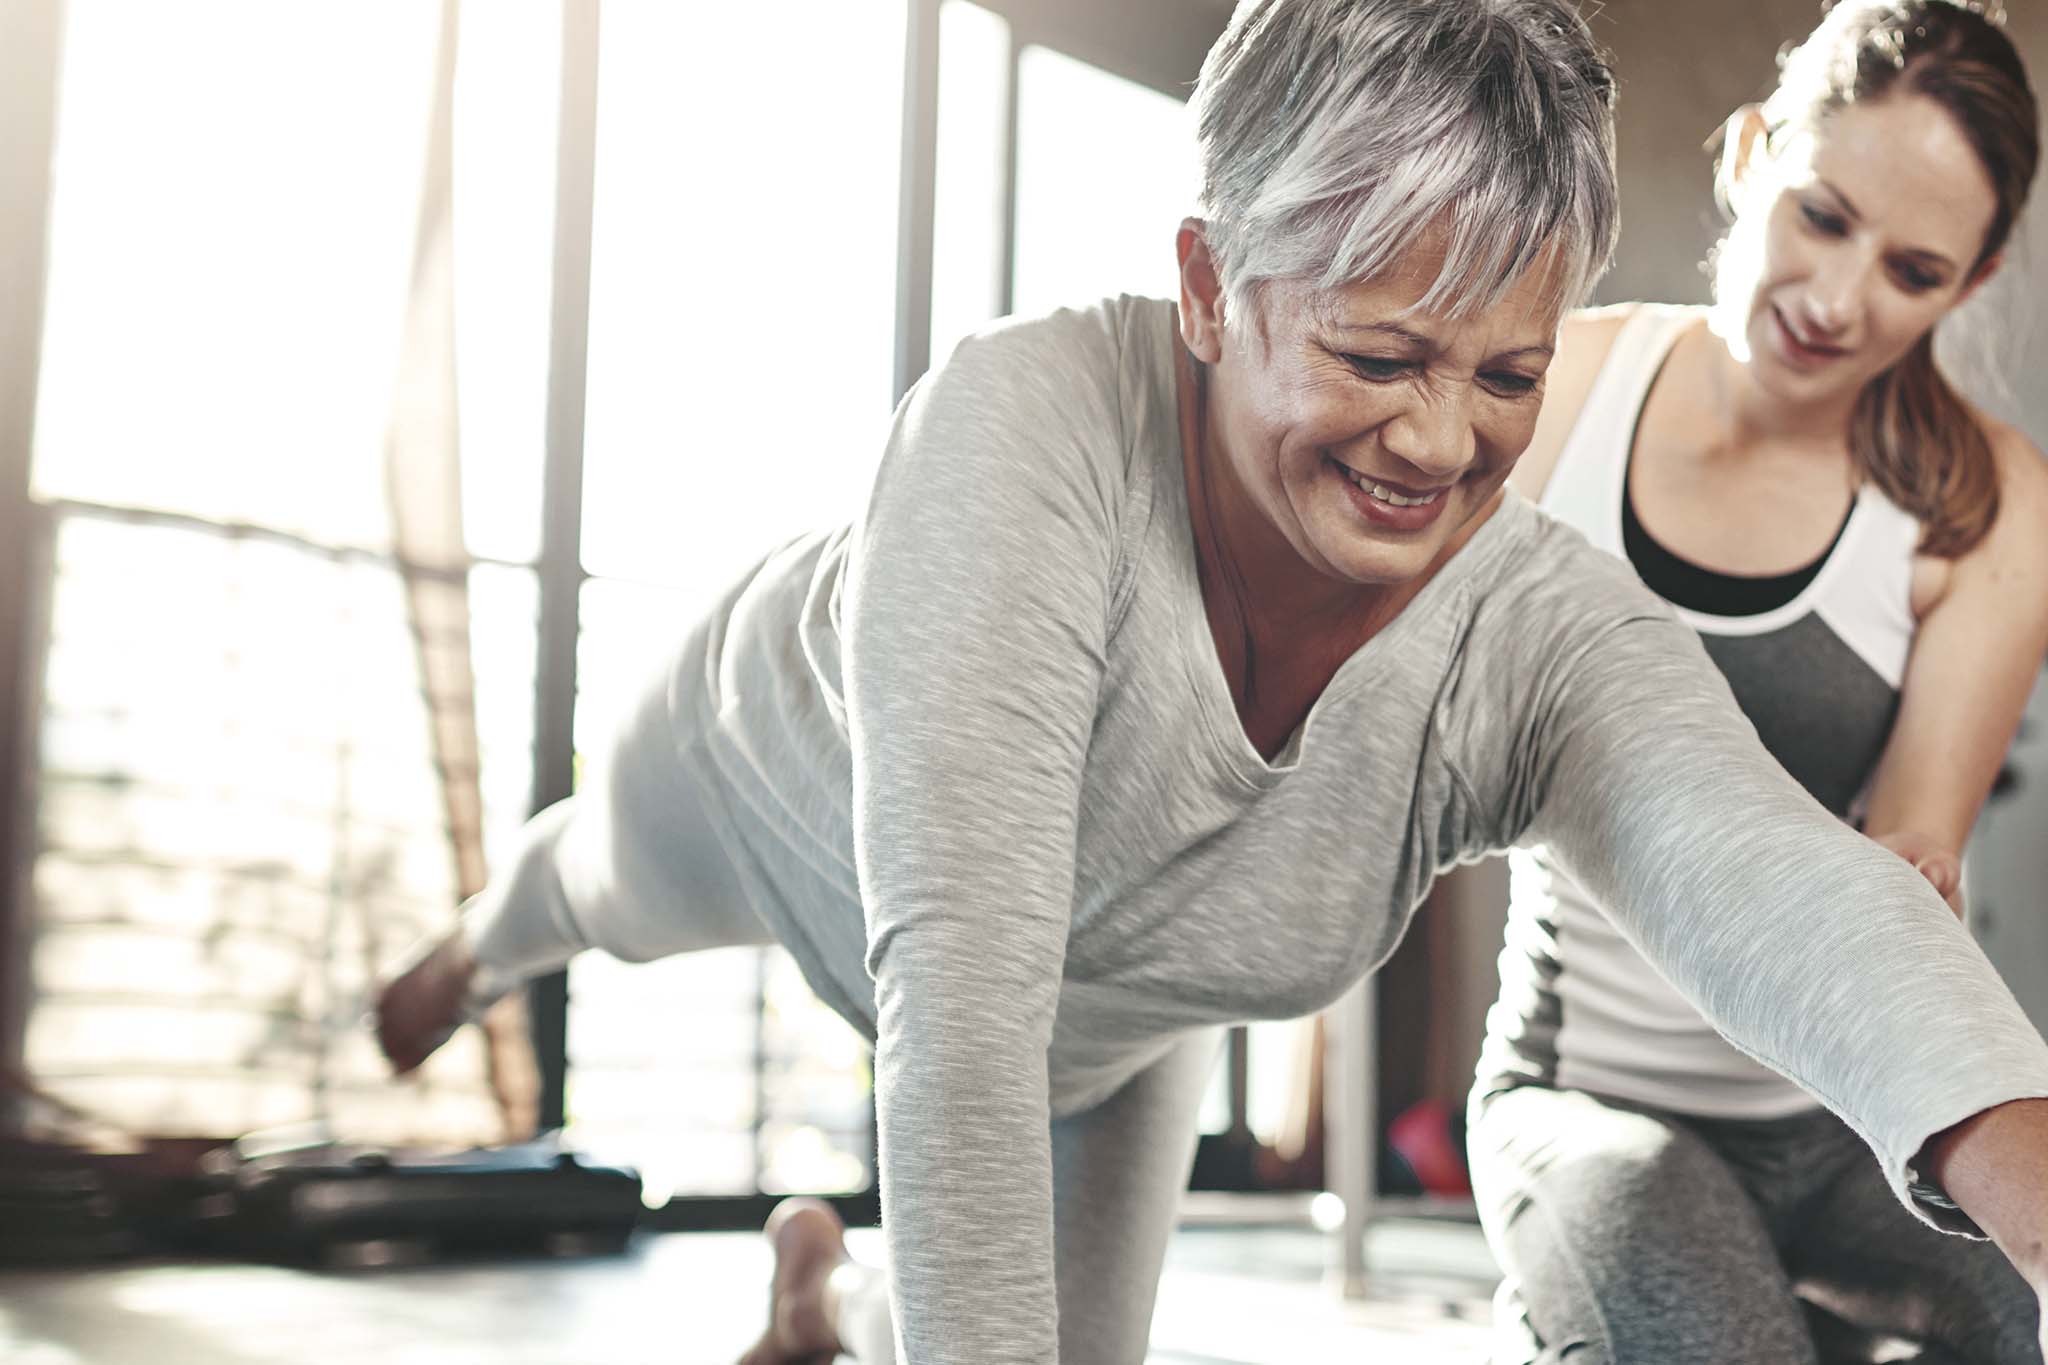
(1808, 946)
(975, 627)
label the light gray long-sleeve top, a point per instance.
(978, 761)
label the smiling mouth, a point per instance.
(1814, 348)
(1394, 495)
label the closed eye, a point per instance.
(1820, 220)
(1508, 384)
(1379, 369)
(1917, 279)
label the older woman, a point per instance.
(1175, 653)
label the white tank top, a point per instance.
(1818, 676)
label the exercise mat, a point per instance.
(338, 1204)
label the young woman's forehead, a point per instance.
(1905, 166)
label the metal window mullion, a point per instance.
(917, 197)
(1350, 1128)
(561, 556)
(1006, 255)
(31, 53)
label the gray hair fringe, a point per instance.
(1332, 134)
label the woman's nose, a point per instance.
(1434, 435)
(1834, 295)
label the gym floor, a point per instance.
(1232, 1295)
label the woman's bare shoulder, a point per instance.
(2016, 547)
(2022, 487)
(1582, 346)
(2019, 460)
(2022, 525)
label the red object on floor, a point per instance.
(1423, 1135)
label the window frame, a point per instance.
(31, 49)
(1155, 43)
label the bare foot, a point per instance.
(418, 1011)
(809, 1242)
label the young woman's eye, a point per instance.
(1379, 369)
(1508, 384)
(1820, 220)
(1916, 279)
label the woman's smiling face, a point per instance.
(1854, 238)
(1368, 432)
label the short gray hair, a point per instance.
(1334, 133)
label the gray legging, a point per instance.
(1118, 1173)
(1637, 1237)
(588, 876)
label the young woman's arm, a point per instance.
(1975, 658)
(1974, 661)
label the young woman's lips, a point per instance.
(1371, 497)
(1806, 355)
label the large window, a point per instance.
(240, 818)
(1096, 216)
(740, 346)
(244, 808)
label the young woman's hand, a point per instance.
(1942, 868)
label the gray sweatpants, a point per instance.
(600, 870)
(1631, 1236)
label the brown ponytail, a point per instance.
(1917, 440)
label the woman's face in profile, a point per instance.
(1860, 234)
(1369, 433)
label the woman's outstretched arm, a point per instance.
(1994, 1165)
(1808, 946)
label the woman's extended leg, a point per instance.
(1624, 1239)
(631, 864)
(1860, 1255)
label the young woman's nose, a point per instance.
(1834, 293)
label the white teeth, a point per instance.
(1382, 493)
(1387, 495)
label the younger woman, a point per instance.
(1863, 556)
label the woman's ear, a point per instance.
(1744, 144)
(1201, 293)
